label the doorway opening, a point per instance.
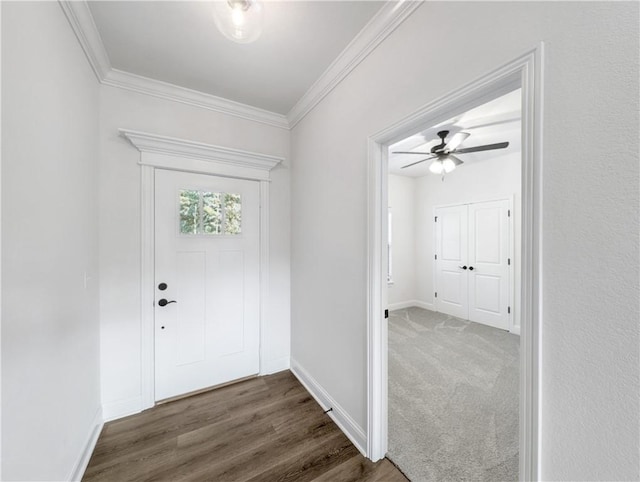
(453, 330)
(523, 73)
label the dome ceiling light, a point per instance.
(239, 20)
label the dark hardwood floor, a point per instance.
(263, 429)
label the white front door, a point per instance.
(451, 263)
(472, 262)
(207, 279)
(488, 263)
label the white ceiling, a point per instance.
(178, 43)
(493, 122)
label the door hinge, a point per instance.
(508, 213)
(436, 219)
(509, 309)
(386, 313)
(436, 294)
(509, 261)
(436, 256)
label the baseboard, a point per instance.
(515, 329)
(425, 305)
(401, 305)
(342, 419)
(121, 408)
(83, 460)
(275, 366)
(409, 304)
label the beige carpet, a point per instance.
(453, 398)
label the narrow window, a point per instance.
(233, 214)
(189, 211)
(211, 213)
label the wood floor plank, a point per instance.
(308, 464)
(145, 463)
(277, 393)
(183, 406)
(229, 440)
(198, 460)
(267, 428)
(156, 430)
(387, 472)
(253, 462)
(257, 413)
(358, 468)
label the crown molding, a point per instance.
(391, 15)
(171, 146)
(164, 90)
(84, 27)
(387, 19)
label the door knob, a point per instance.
(471, 268)
(463, 267)
(164, 302)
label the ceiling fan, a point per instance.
(444, 160)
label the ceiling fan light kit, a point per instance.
(239, 20)
(444, 160)
(438, 166)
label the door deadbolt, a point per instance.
(162, 286)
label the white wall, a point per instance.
(50, 329)
(488, 180)
(120, 229)
(590, 341)
(403, 246)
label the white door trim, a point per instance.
(162, 152)
(525, 72)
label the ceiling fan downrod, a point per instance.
(440, 147)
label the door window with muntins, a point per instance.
(209, 213)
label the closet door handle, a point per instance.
(164, 302)
(471, 268)
(463, 267)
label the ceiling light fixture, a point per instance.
(445, 161)
(239, 20)
(442, 165)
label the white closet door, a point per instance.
(488, 268)
(451, 250)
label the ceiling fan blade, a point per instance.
(456, 140)
(418, 162)
(488, 147)
(455, 160)
(411, 152)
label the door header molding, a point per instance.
(179, 154)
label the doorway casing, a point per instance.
(525, 72)
(162, 152)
